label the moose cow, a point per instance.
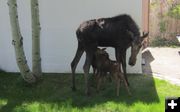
(119, 32)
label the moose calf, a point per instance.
(102, 64)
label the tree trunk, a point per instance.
(18, 43)
(36, 59)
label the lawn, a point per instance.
(53, 94)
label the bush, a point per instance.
(162, 42)
(174, 12)
(162, 26)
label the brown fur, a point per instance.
(103, 65)
(119, 32)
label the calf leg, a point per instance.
(74, 63)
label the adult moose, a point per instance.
(119, 32)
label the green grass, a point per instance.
(53, 94)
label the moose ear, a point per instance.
(145, 35)
(103, 49)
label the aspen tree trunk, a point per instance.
(36, 59)
(18, 43)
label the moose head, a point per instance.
(136, 46)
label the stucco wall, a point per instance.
(59, 20)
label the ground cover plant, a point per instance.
(53, 94)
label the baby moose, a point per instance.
(102, 64)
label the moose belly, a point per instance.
(107, 43)
(107, 40)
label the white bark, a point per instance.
(18, 43)
(36, 59)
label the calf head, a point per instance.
(101, 53)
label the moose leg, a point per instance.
(120, 59)
(98, 81)
(86, 67)
(117, 78)
(118, 85)
(97, 76)
(125, 82)
(123, 60)
(74, 63)
(94, 70)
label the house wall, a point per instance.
(145, 20)
(59, 20)
(145, 15)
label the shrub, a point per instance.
(162, 26)
(175, 12)
(163, 42)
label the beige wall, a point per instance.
(59, 20)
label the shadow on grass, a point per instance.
(148, 57)
(55, 89)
